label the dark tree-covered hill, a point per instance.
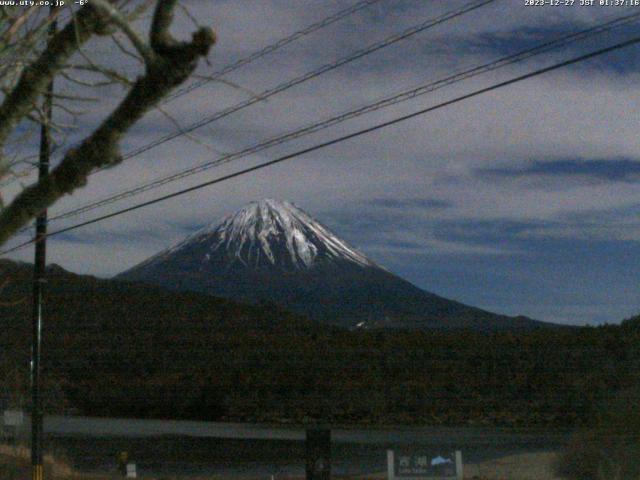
(120, 349)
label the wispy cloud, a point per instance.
(465, 200)
(410, 203)
(613, 170)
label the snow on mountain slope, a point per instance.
(273, 251)
(269, 233)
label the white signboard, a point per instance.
(13, 418)
(131, 470)
(423, 465)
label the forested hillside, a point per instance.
(129, 350)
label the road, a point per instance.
(204, 448)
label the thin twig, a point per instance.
(125, 50)
(188, 135)
(229, 83)
(118, 19)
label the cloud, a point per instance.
(613, 170)
(486, 183)
(409, 203)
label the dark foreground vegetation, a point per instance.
(608, 448)
(129, 350)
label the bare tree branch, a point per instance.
(163, 17)
(173, 63)
(86, 83)
(123, 24)
(124, 50)
(104, 71)
(189, 135)
(35, 78)
(16, 24)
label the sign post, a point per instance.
(12, 423)
(421, 465)
(318, 446)
(39, 280)
(131, 470)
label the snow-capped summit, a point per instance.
(272, 250)
(278, 233)
(266, 234)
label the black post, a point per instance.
(39, 280)
(318, 447)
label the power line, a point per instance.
(430, 23)
(308, 76)
(305, 77)
(383, 103)
(325, 22)
(272, 48)
(15, 55)
(340, 139)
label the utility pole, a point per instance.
(39, 281)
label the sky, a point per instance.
(522, 201)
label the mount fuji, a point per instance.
(273, 251)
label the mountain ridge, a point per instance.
(272, 250)
(249, 236)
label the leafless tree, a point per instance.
(29, 61)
